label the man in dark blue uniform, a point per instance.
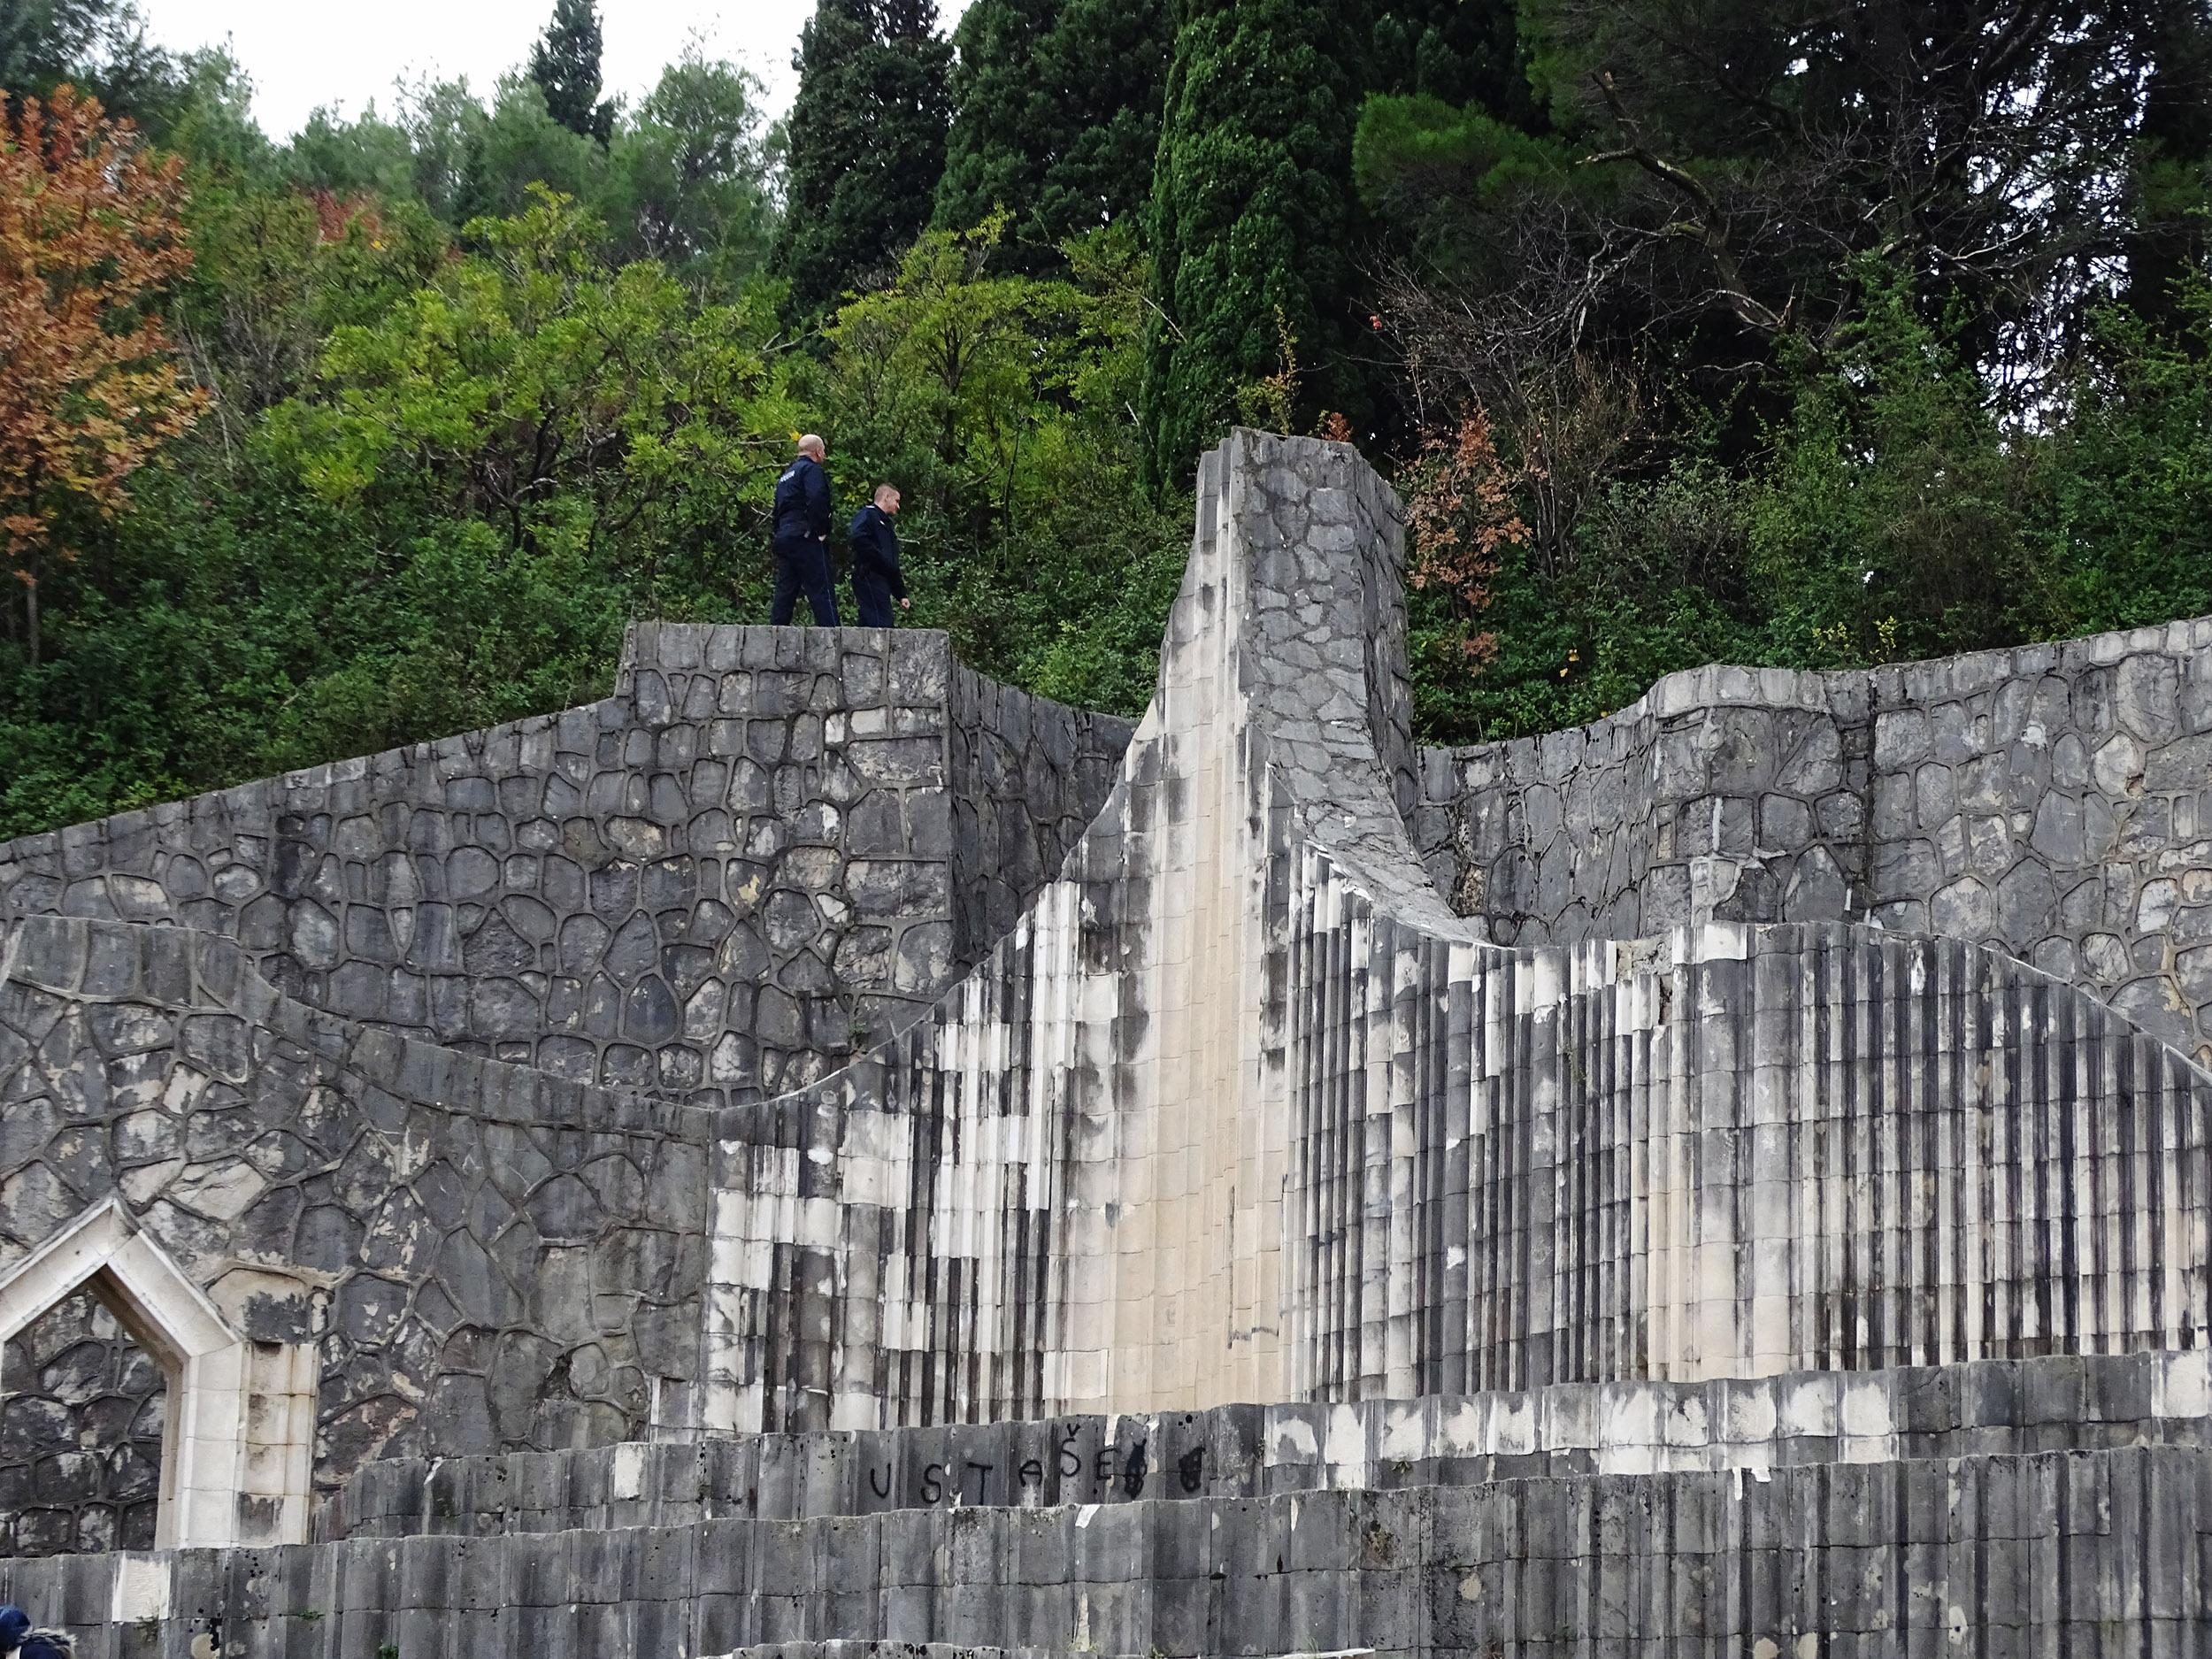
(877, 579)
(802, 538)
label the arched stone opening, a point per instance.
(237, 1424)
(82, 1410)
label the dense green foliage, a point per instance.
(1462, 51)
(1058, 118)
(1771, 332)
(565, 64)
(866, 138)
(1252, 214)
(1807, 336)
(445, 459)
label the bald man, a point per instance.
(802, 537)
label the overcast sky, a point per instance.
(302, 53)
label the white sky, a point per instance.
(302, 53)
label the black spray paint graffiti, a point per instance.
(970, 1482)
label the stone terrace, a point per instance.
(818, 1152)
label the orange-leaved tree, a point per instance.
(90, 235)
(1460, 507)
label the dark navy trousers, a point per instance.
(871, 595)
(802, 566)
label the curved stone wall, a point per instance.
(711, 886)
(486, 1256)
(1241, 1111)
(2054, 802)
(1184, 1092)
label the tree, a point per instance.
(688, 180)
(866, 137)
(1744, 158)
(1252, 213)
(2172, 183)
(1110, 58)
(999, 404)
(1058, 118)
(564, 62)
(530, 387)
(1006, 124)
(42, 41)
(1462, 51)
(521, 143)
(89, 237)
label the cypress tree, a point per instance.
(564, 62)
(866, 138)
(1058, 117)
(1005, 127)
(1462, 51)
(2172, 166)
(1252, 214)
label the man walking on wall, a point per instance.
(802, 538)
(877, 579)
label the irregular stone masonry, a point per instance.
(81, 1424)
(1990, 1408)
(1184, 1094)
(1241, 1111)
(485, 1256)
(2067, 1553)
(2052, 801)
(709, 886)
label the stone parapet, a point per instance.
(1990, 1408)
(2054, 802)
(712, 886)
(2067, 1553)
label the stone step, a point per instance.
(1985, 1408)
(2086, 1552)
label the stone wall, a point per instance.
(1725, 793)
(2054, 802)
(710, 886)
(1240, 1110)
(487, 1256)
(1024, 777)
(1989, 1408)
(2068, 1553)
(1489, 1296)
(80, 1419)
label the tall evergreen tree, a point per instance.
(564, 62)
(1006, 125)
(43, 41)
(1111, 57)
(1058, 117)
(866, 138)
(1252, 211)
(2172, 165)
(1462, 51)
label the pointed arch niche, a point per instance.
(237, 1446)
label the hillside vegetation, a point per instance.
(1777, 332)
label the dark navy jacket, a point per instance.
(875, 546)
(802, 502)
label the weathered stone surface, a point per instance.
(1944, 795)
(1594, 1155)
(392, 889)
(80, 1420)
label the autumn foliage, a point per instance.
(1460, 507)
(90, 237)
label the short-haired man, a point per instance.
(877, 579)
(802, 537)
